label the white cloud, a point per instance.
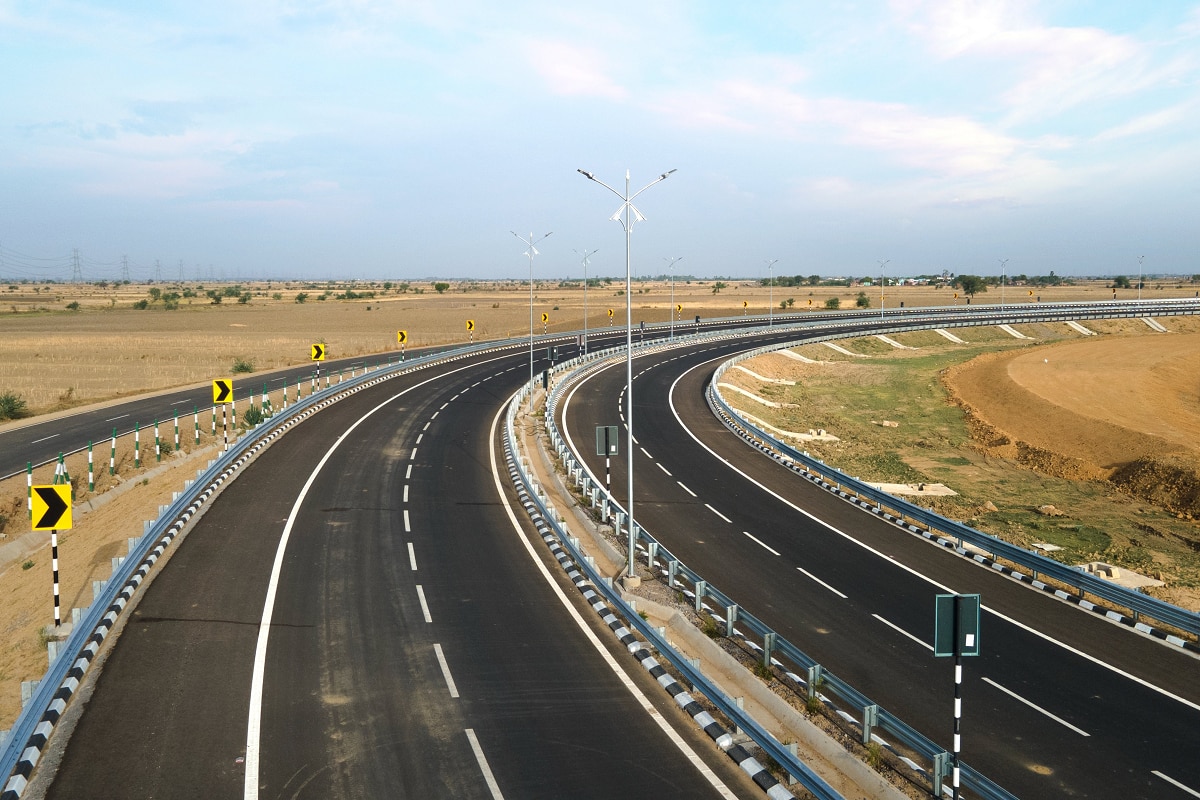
(570, 69)
(1147, 123)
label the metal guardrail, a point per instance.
(1138, 603)
(926, 758)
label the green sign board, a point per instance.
(956, 625)
(606, 440)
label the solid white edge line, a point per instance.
(718, 513)
(1176, 783)
(424, 605)
(903, 632)
(1033, 631)
(412, 557)
(761, 543)
(617, 669)
(488, 777)
(1036, 707)
(823, 583)
(254, 721)
(441, 657)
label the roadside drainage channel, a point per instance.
(26, 741)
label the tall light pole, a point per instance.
(1003, 275)
(531, 252)
(882, 283)
(671, 269)
(631, 216)
(1140, 260)
(771, 292)
(584, 257)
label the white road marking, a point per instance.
(412, 557)
(444, 405)
(718, 513)
(413, 456)
(427, 424)
(441, 657)
(823, 583)
(1176, 783)
(406, 492)
(761, 543)
(646, 454)
(488, 777)
(112, 419)
(407, 526)
(622, 676)
(435, 415)
(1038, 708)
(408, 473)
(420, 436)
(900, 630)
(664, 469)
(44, 438)
(424, 605)
(184, 400)
(689, 491)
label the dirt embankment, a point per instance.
(1057, 410)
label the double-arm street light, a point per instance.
(671, 269)
(627, 215)
(584, 256)
(882, 283)
(771, 292)
(531, 252)
(1003, 276)
(1140, 260)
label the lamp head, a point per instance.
(587, 175)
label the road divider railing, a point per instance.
(620, 617)
(70, 659)
(951, 533)
(930, 764)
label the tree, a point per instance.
(833, 304)
(717, 287)
(441, 286)
(301, 297)
(814, 280)
(1120, 282)
(971, 284)
(862, 301)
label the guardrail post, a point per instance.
(870, 719)
(814, 680)
(941, 768)
(651, 554)
(701, 588)
(731, 615)
(768, 647)
(672, 571)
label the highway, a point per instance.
(414, 649)
(1061, 703)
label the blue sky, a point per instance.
(406, 139)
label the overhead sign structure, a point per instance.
(222, 391)
(51, 507)
(401, 337)
(606, 440)
(318, 352)
(470, 324)
(956, 625)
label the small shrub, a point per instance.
(73, 305)
(301, 297)
(833, 304)
(242, 365)
(142, 305)
(253, 415)
(27, 565)
(763, 671)
(244, 298)
(874, 755)
(710, 628)
(277, 296)
(12, 406)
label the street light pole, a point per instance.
(1003, 275)
(631, 216)
(531, 252)
(882, 283)
(1140, 260)
(771, 292)
(671, 269)
(585, 256)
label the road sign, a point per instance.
(956, 625)
(470, 324)
(318, 352)
(545, 318)
(745, 303)
(610, 312)
(222, 391)
(678, 307)
(606, 440)
(401, 337)
(51, 507)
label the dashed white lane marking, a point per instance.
(823, 583)
(424, 605)
(441, 657)
(406, 492)
(44, 438)
(427, 424)
(407, 526)
(686, 489)
(664, 469)
(718, 513)
(408, 473)
(420, 436)
(412, 557)
(761, 543)
(1036, 707)
(646, 454)
(435, 415)
(413, 456)
(111, 419)
(1176, 783)
(900, 630)
(444, 405)
(488, 777)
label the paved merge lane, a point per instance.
(870, 621)
(413, 652)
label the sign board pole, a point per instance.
(956, 633)
(54, 567)
(225, 425)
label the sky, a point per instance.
(408, 140)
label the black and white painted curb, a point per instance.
(755, 441)
(638, 649)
